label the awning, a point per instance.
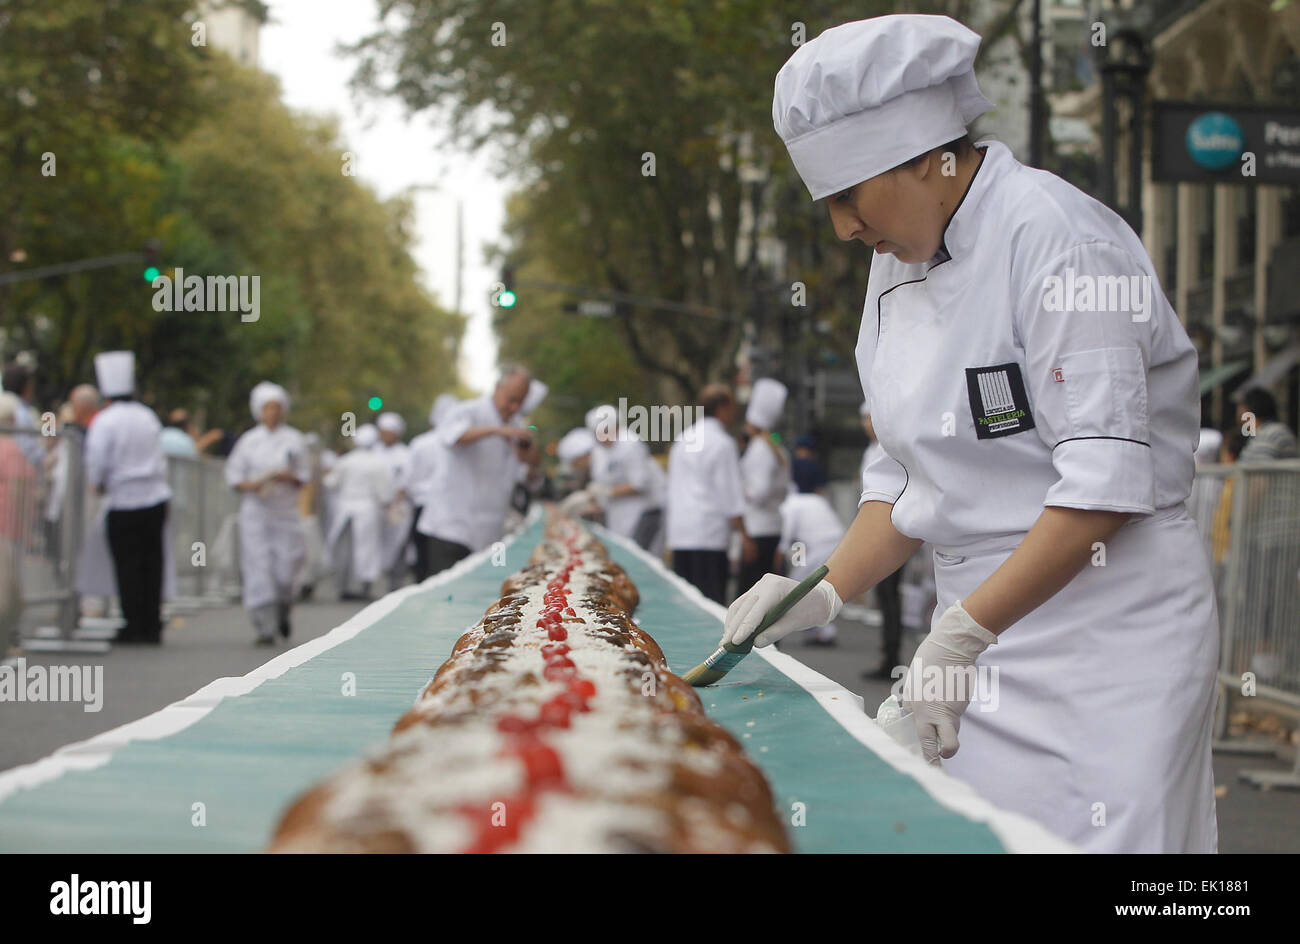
(1212, 377)
(1273, 371)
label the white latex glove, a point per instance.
(956, 640)
(819, 607)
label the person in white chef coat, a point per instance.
(396, 528)
(1037, 426)
(427, 454)
(125, 465)
(810, 532)
(706, 501)
(625, 479)
(362, 484)
(765, 477)
(267, 466)
(488, 454)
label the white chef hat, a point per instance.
(391, 423)
(537, 392)
(865, 410)
(264, 393)
(766, 401)
(441, 405)
(115, 372)
(575, 444)
(366, 436)
(866, 96)
(603, 418)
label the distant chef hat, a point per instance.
(391, 423)
(537, 392)
(366, 436)
(865, 410)
(866, 96)
(766, 401)
(441, 405)
(602, 418)
(575, 444)
(264, 393)
(115, 371)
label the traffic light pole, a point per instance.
(67, 268)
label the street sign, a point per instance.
(1204, 142)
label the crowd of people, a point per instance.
(730, 503)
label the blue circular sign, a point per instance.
(1214, 140)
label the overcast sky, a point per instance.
(393, 153)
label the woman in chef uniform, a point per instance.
(268, 465)
(1035, 396)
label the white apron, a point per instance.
(364, 519)
(272, 551)
(1103, 702)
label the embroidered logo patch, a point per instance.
(998, 404)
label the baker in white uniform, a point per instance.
(125, 464)
(488, 455)
(268, 466)
(810, 532)
(397, 516)
(1036, 399)
(706, 500)
(427, 453)
(765, 477)
(627, 482)
(363, 487)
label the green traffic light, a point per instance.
(507, 299)
(151, 273)
(375, 403)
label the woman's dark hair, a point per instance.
(959, 146)
(1261, 403)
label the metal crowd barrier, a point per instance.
(54, 562)
(1249, 517)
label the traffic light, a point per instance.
(506, 298)
(152, 256)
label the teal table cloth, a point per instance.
(214, 772)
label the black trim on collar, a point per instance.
(943, 239)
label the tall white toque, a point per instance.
(866, 96)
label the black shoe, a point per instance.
(284, 627)
(814, 641)
(306, 592)
(262, 641)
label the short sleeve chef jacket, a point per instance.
(1034, 361)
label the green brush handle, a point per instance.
(775, 613)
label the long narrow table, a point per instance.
(212, 773)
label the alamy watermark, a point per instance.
(655, 423)
(1117, 293)
(242, 293)
(37, 683)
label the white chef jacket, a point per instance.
(426, 455)
(262, 450)
(124, 456)
(704, 488)
(626, 461)
(988, 403)
(362, 479)
(809, 519)
(272, 543)
(766, 481)
(471, 491)
(398, 458)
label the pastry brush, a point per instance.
(728, 656)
